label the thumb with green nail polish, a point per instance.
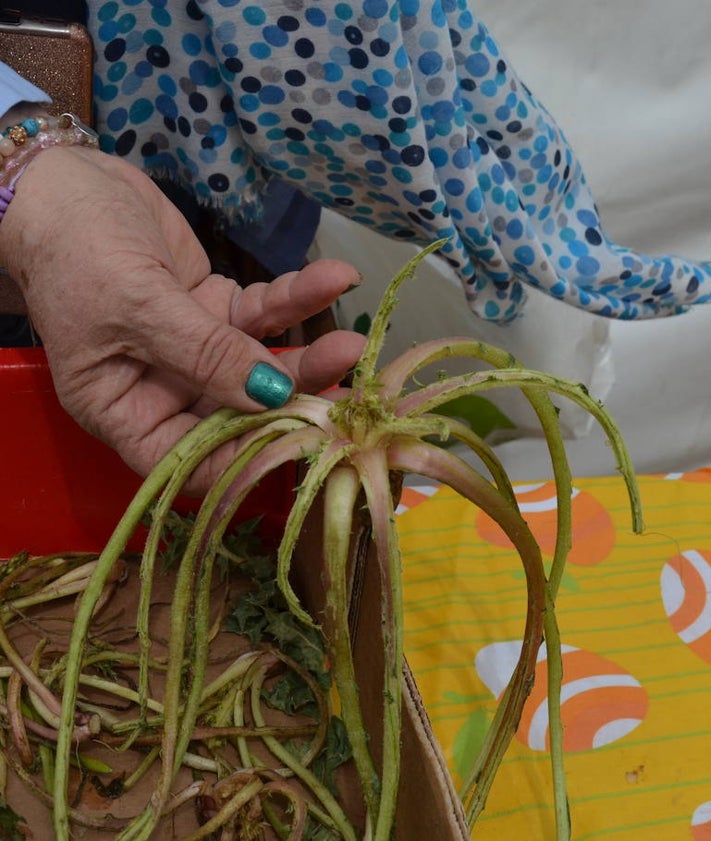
(268, 386)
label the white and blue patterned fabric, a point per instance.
(404, 115)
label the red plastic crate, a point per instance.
(63, 490)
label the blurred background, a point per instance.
(628, 83)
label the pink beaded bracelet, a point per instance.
(20, 143)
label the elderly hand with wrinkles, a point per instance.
(142, 339)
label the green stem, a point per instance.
(201, 643)
(51, 592)
(138, 773)
(254, 459)
(323, 714)
(374, 475)
(158, 478)
(340, 496)
(305, 496)
(430, 397)
(32, 680)
(486, 454)
(549, 422)
(393, 378)
(235, 672)
(46, 568)
(554, 663)
(46, 756)
(308, 778)
(181, 611)
(199, 451)
(250, 427)
(245, 794)
(365, 369)
(198, 556)
(239, 720)
(445, 467)
(120, 691)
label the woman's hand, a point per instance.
(141, 339)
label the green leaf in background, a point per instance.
(469, 741)
(362, 324)
(482, 416)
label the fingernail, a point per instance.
(268, 386)
(355, 283)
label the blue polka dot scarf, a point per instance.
(405, 116)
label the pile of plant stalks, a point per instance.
(264, 750)
(349, 450)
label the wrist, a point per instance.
(39, 225)
(30, 131)
(12, 300)
(23, 141)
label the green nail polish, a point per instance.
(268, 386)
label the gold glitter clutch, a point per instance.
(55, 56)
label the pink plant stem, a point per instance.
(17, 722)
(373, 468)
(444, 467)
(340, 494)
(43, 731)
(28, 676)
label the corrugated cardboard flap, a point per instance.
(428, 806)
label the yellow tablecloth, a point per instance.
(635, 619)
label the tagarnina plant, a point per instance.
(349, 449)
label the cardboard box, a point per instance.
(428, 807)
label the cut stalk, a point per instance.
(453, 471)
(554, 667)
(373, 469)
(348, 449)
(340, 495)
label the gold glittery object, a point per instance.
(18, 147)
(17, 134)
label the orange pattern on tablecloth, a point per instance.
(686, 594)
(601, 702)
(640, 618)
(413, 496)
(594, 530)
(701, 823)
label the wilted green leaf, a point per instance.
(481, 415)
(299, 641)
(10, 823)
(336, 753)
(291, 695)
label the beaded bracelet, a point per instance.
(20, 143)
